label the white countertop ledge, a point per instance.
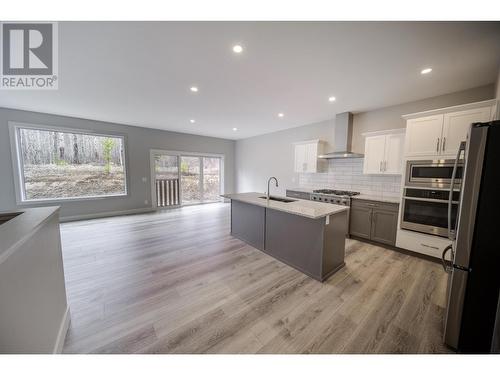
(301, 207)
(16, 231)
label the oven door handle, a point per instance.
(428, 200)
(451, 231)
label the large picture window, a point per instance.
(62, 164)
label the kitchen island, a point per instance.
(309, 236)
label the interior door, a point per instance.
(374, 154)
(423, 136)
(457, 124)
(394, 145)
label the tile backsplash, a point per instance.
(347, 174)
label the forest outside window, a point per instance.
(61, 164)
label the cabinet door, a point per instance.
(423, 136)
(360, 221)
(384, 226)
(312, 157)
(394, 145)
(300, 158)
(374, 154)
(457, 124)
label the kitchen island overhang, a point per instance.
(309, 236)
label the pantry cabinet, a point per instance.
(383, 152)
(306, 156)
(439, 134)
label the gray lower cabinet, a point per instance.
(376, 221)
(248, 223)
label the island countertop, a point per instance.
(301, 207)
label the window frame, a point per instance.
(18, 165)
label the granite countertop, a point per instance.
(17, 230)
(377, 198)
(301, 207)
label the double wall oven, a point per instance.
(426, 195)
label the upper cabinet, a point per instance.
(440, 132)
(423, 135)
(384, 152)
(306, 156)
(456, 125)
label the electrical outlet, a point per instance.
(146, 202)
(144, 179)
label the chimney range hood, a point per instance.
(343, 138)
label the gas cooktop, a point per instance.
(336, 192)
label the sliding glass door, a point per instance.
(211, 179)
(191, 180)
(183, 179)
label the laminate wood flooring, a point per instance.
(177, 282)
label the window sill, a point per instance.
(75, 199)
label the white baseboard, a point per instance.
(61, 335)
(106, 214)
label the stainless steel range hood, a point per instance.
(343, 138)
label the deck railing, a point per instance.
(167, 192)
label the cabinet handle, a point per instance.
(380, 166)
(444, 143)
(437, 145)
(385, 165)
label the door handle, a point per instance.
(444, 144)
(446, 266)
(437, 145)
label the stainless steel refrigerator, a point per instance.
(474, 281)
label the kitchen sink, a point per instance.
(279, 199)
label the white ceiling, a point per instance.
(139, 73)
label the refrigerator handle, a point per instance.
(451, 231)
(447, 268)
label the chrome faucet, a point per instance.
(268, 182)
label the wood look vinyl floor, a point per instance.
(177, 282)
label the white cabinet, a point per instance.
(456, 125)
(394, 146)
(383, 152)
(306, 156)
(423, 135)
(440, 134)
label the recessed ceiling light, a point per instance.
(235, 129)
(192, 121)
(332, 99)
(280, 115)
(237, 48)
(426, 71)
(194, 89)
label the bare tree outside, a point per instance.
(65, 165)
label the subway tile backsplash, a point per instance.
(347, 174)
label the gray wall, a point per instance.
(139, 141)
(272, 154)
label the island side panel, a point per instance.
(295, 240)
(248, 223)
(334, 243)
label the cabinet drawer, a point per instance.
(361, 203)
(298, 194)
